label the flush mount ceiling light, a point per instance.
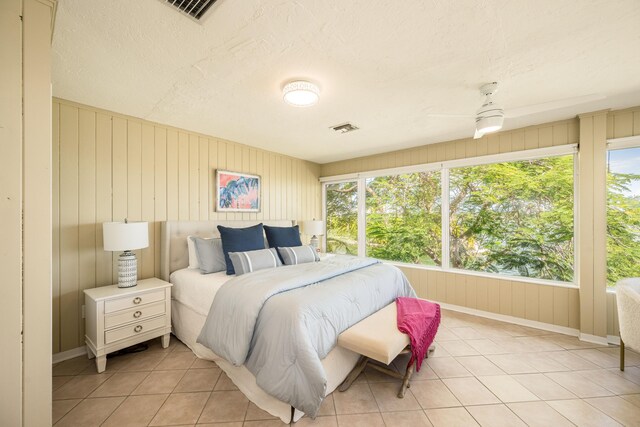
(301, 93)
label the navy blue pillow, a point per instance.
(283, 237)
(240, 240)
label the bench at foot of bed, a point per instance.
(378, 341)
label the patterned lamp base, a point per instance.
(127, 270)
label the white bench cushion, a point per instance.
(377, 336)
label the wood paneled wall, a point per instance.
(543, 303)
(108, 166)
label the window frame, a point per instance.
(444, 168)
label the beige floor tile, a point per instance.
(479, 365)
(255, 413)
(445, 334)
(507, 389)
(198, 380)
(543, 362)
(539, 414)
(180, 408)
(467, 333)
(511, 345)
(90, 412)
(495, 416)
(630, 358)
(459, 348)
(433, 394)
(57, 382)
(159, 382)
(225, 384)
(425, 373)
(327, 421)
(80, 386)
(536, 343)
(203, 363)
(631, 373)
(470, 391)
(450, 417)
(72, 366)
(633, 398)
(61, 407)
(375, 376)
(327, 407)
(386, 395)
(263, 423)
(114, 364)
(512, 364)
(578, 384)
(573, 362)
(617, 408)
(177, 360)
(360, 420)
(486, 346)
(543, 387)
(439, 352)
(357, 399)
(603, 360)
(179, 346)
(232, 424)
(582, 414)
(146, 361)
(571, 343)
(612, 382)
(136, 411)
(447, 367)
(120, 384)
(405, 418)
(224, 406)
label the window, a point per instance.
(403, 214)
(623, 214)
(342, 218)
(514, 218)
(507, 214)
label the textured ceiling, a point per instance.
(382, 65)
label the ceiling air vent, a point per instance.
(193, 8)
(344, 128)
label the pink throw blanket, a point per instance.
(420, 320)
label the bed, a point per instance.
(192, 295)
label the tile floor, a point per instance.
(483, 372)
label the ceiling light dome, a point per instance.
(301, 93)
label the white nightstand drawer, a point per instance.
(133, 301)
(133, 314)
(134, 329)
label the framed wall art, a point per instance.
(237, 192)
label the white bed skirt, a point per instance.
(187, 325)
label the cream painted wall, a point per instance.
(590, 309)
(108, 166)
(25, 209)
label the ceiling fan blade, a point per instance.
(477, 134)
(452, 116)
(552, 105)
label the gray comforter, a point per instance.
(282, 322)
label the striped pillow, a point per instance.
(298, 255)
(246, 262)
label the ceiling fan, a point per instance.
(490, 116)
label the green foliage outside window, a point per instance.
(342, 218)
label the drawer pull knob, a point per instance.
(138, 328)
(137, 314)
(137, 300)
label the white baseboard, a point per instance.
(511, 319)
(69, 354)
(612, 339)
(593, 339)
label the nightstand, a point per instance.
(121, 317)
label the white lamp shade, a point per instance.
(313, 228)
(125, 236)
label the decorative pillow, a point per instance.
(280, 237)
(240, 240)
(209, 254)
(246, 262)
(193, 258)
(298, 255)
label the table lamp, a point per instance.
(313, 228)
(126, 236)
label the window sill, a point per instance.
(544, 282)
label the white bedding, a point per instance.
(192, 295)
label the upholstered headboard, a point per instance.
(173, 239)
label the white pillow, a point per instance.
(193, 257)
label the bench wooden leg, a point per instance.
(405, 380)
(353, 375)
